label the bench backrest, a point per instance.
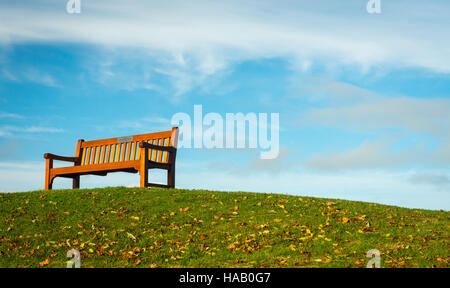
(122, 149)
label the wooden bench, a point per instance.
(132, 154)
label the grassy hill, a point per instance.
(133, 227)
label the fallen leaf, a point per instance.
(45, 262)
(131, 236)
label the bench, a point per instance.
(137, 153)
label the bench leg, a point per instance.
(171, 177)
(76, 182)
(143, 168)
(48, 179)
(48, 184)
(144, 177)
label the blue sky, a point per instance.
(363, 99)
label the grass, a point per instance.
(134, 227)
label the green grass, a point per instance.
(133, 227)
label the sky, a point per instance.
(363, 99)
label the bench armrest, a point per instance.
(61, 158)
(157, 147)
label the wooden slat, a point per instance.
(105, 148)
(166, 154)
(88, 155)
(129, 151)
(113, 153)
(97, 152)
(97, 167)
(83, 158)
(138, 157)
(133, 154)
(160, 153)
(118, 151)
(150, 152)
(124, 151)
(141, 137)
(153, 152)
(105, 167)
(91, 155)
(102, 155)
(108, 154)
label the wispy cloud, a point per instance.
(208, 37)
(350, 108)
(10, 115)
(11, 130)
(434, 179)
(145, 123)
(413, 114)
(35, 76)
(368, 155)
(32, 75)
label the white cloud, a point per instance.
(144, 124)
(10, 115)
(413, 114)
(441, 180)
(368, 156)
(10, 130)
(39, 77)
(320, 89)
(21, 176)
(198, 39)
(350, 108)
(28, 74)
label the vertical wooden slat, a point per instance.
(79, 152)
(101, 160)
(108, 154)
(113, 153)
(129, 151)
(124, 151)
(133, 153)
(83, 158)
(138, 157)
(118, 150)
(97, 152)
(166, 154)
(105, 147)
(153, 152)
(88, 155)
(161, 143)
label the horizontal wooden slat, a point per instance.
(105, 167)
(140, 137)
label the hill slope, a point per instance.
(133, 227)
